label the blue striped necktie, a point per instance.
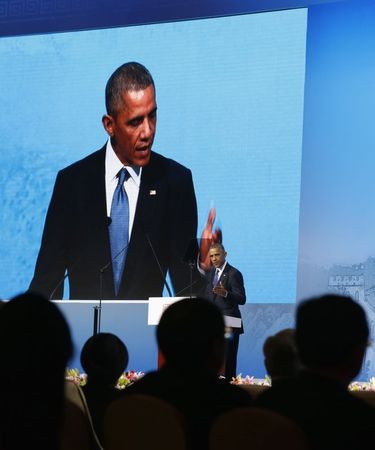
(119, 228)
(216, 278)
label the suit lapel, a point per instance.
(147, 198)
(225, 275)
(151, 199)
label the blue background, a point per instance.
(241, 101)
(230, 107)
(337, 217)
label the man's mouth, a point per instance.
(143, 150)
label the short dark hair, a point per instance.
(131, 76)
(188, 330)
(280, 353)
(34, 333)
(218, 245)
(328, 328)
(104, 358)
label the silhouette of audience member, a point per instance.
(280, 355)
(104, 358)
(35, 346)
(190, 336)
(331, 335)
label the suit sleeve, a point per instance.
(51, 262)
(236, 289)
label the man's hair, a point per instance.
(188, 331)
(104, 358)
(33, 334)
(328, 329)
(218, 245)
(131, 76)
(280, 354)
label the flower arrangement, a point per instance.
(362, 385)
(354, 386)
(129, 377)
(239, 379)
(125, 380)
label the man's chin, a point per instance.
(142, 158)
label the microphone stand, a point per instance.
(191, 257)
(191, 265)
(61, 281)
(159, 265)
(98, 308)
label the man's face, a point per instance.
(217, 256)
(132, 129)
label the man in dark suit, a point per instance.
(225, 288)
(190, 336)
(122, 217)
(331, 336)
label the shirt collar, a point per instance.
(221, 269)
(113, 165)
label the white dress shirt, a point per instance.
(220, 270)
(112, 167)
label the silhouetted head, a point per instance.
(35, 346)
(104, 358)
(280, 354)
(332, 334)
(34, 335)
(190, 334)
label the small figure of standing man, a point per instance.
(225, 288)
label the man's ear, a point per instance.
(108, 124)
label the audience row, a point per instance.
(310, 366)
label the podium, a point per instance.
(157, 305)
(133, 321)
(125, 318)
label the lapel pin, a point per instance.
(152, 192)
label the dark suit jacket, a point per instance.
(200, 402)
(76, 237)
(98, 399)
(331, 417)
(232, 280)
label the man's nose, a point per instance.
(147, 129)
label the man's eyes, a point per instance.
(135, 122)
(138, 120)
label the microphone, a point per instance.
(159, 265)
(98, 309)
(61, 281)
(189, 286)
(105, 267)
